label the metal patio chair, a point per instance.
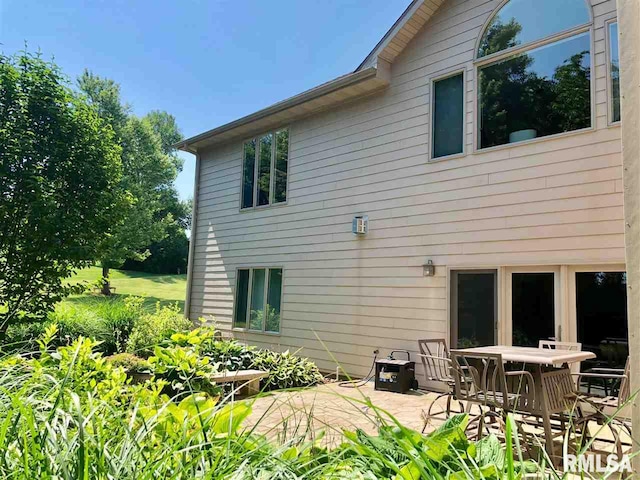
(556, 345)
(605, 408)
(436, 361)
(480, 379)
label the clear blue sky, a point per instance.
(205, 62)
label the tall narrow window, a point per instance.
(448, 116)
(264, 169)
(242, 294)
(614, 71)
(264, 172)
(281, 167)
(272, 321)
(258, 299)
(543, 88)
(248, 173)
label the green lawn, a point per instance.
(155, 288)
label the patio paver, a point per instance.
(333, 408)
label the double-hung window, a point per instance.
(258, 299)
(534, 71)
(265, 161)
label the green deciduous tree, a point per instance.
(149, 170)
(59, 169)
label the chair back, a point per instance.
(558, 390)
(554, 345)
(480, 378)
(625, 385)
(435, 359)
(572, 346)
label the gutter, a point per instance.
(304, 97)
(192, 240)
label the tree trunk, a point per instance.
(106, 285)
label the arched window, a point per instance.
(534, 71)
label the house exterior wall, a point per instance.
(553, 201)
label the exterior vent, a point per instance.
(360, 225)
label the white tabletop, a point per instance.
(539, 356)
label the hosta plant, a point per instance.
(286, 370)
(231, 355)
(184, 370)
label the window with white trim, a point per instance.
(534, 71)
(264, 169)
(447, 132)
(258, 299)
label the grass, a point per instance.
(166, 289)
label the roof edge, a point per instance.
(311, 94)
(408, 13)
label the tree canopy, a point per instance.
(150, 167)
(60, 168)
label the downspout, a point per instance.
(192, 240)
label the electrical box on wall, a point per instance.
(360, 225)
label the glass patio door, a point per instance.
(600, 315)
(532, 308)
(473, 308)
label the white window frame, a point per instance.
(607, 36)
(432, 100)
(267, 269)
(256, 166)
(480, 62)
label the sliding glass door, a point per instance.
(532, 296)
(601, 315)
(473, 308)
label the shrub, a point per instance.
(153, 329)
(129, 362)
(286, 370)
(109, 321)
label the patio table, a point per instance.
(551, 374)
(534, 356)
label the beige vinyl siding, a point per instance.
(555, 201)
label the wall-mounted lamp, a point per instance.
(360, 225)
(429, 269)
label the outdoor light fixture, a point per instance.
(429, 269)
(360, 225)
